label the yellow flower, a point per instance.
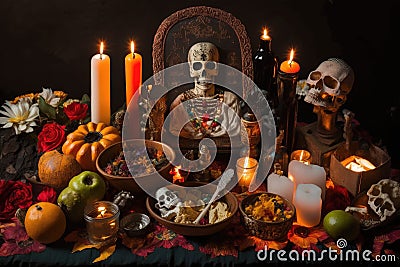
(31, 96)
(21, 116)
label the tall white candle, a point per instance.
(301, 173)
(308, 204)
(281, 185)
(100, 87)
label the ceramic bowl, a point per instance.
(267, 230)
(129, 183)
(135, 224)
(195, 229)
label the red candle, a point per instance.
(133, 73)
(290, 66)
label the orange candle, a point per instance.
(290, 66)
(133, 73)
(100, 87)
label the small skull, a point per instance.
(202, 59)
(166, 198)
(330, 83)
(384, 198)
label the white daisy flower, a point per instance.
(49, 97)
(21, 116)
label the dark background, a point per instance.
(49, 43)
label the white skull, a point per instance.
(166, 198)
(202, 59)
(330, 83)
(384, 198)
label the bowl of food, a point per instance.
(267, 216)
(180, 216)
(144, 161)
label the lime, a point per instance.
(340, 224)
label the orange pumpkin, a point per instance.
(56, 169)
(45, 222)
(86, 143)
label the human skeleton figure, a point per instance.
(205, 113)
(329, 85)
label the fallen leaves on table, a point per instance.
(160, 237)
(16, 240)
(81, 242)
(381, 240)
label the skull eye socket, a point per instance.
(197, 65)
(210, 65)
(331, 82)
(162, 197)
(315, 75)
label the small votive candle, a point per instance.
(301, 155)
(102, 221)
(308, 203)
(246, 169)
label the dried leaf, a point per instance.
(79, 246)
(105, 253)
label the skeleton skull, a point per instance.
(166, 198)
(203, 58)
(384, 198)
(330, 83)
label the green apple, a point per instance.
(82, 189)
(90, 185)
(341, 224)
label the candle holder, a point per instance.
(246, 170)
(301, 155)
(355, 181)
(287, 109)
(102, 221)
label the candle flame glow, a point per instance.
(102, 211)
(291, 56)
(265, 33)
(246, 163)
(177, 177)
(358, 164)
(132, 47)
(101, 48)
(301, 155)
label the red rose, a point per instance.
(48, 194)
(51, 137)
(13, 195)
(76, 111)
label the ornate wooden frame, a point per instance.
(160, 37)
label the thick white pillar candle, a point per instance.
(281, 185)
(308, 204)
(100, 88)
(301, 173)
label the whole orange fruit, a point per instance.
(45, 222)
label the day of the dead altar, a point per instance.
(206, 162)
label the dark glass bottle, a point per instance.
(265, 70)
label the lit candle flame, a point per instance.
(246, 162)
(265, 34)
(101, 48)
(102, 211)
(177, 175)
(133, 48)
(301, 155)
(291, 56)
(358, 164)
